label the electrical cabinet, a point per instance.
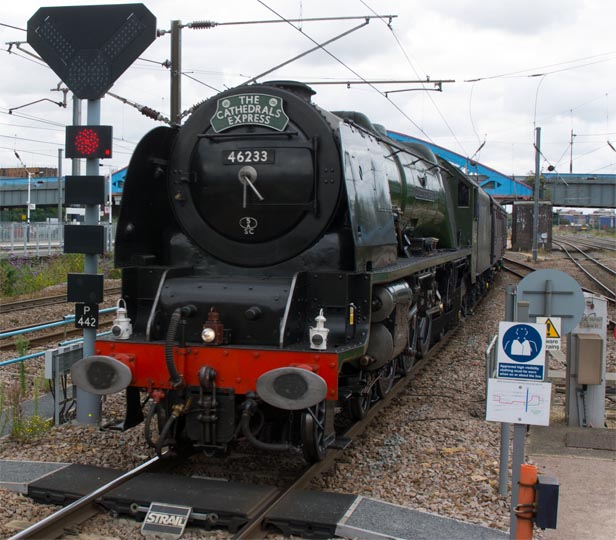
(546, 502)
(589, 354)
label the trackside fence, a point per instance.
(38, 239)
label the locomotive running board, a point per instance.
(412, 265)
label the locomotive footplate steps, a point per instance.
(214, 502)
(311, 514)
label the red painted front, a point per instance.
(235, 368)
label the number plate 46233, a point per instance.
(247, 155)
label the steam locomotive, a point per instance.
(281, 264)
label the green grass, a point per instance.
(20, 275)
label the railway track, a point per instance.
(55, 336)
(254, 528)
(82, 509)
(589, 243)
(610, 293)
(524, 269)
(85, 508)
(30, 303)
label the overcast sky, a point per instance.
(517, 65)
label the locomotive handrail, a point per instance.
(175, 271)
(287, 309)
(159, 291)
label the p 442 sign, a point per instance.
(86, 315)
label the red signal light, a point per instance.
(90, 142)
(87, 142)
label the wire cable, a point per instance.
(13, 27)
(403, 113)
(523, 72)
(25, 57)
(201, 82)
(408, 59)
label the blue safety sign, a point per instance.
(521, 351)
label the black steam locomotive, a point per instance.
(281, 263)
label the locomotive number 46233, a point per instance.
(247, 155)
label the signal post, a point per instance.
(89, 47)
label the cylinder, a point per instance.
(385, 298)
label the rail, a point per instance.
(253, 529)
(29, 303)
(612, 298)
(68, 319)
(590, 243)
(81, 509)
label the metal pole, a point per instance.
(519, 440)
(571, 412)
(89, 405)
(505, 432)
(176, 71)
(76, 165)
(571, 154)
(59, 186)
(110, 202)
(536, 192)
(28, 201)
(28, 210)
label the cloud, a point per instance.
(450, 39)
(512, 16)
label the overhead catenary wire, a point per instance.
(524, 72)
(13, 27)
(347, 67)
(408, 59)
(185, 74)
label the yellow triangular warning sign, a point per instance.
(551, 330)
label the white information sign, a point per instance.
(521, 351)
(518, 402)
(553, 332)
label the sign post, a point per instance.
(518, 395)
